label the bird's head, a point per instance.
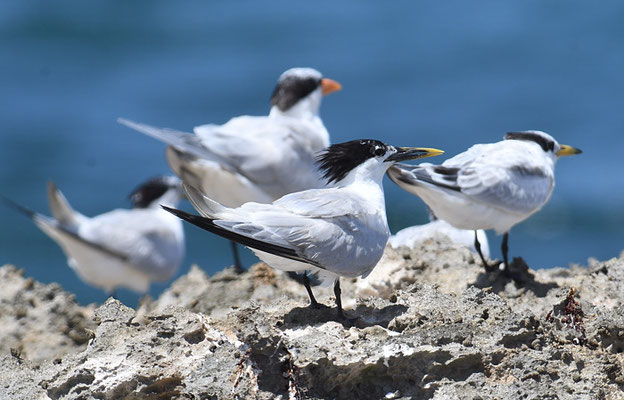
(365, 158)
(548, 144)
(299, 91)
(158, 190)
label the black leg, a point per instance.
(477, 246)
(338, 292)
(306, 283)
(238, 267)
(505, 250)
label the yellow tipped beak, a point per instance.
(330, 86)
(566, 150)
(412, 153)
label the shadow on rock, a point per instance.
(519, 273)
(362, 317)
(410, 375)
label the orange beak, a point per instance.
(330, 86)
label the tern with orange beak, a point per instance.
(255, 158)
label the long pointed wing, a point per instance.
(268, 247)
(500, 176)
(186, 142)
(46, 222)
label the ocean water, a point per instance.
(436, 74)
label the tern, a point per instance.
(335, 231)
(123, 247)
(489, 186)
(255, 158)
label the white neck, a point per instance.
(306, 108)
(371, 171)
(366, 180)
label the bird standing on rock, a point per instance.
(334, 231)
(489, 186)
(120, 248)
(255, 158)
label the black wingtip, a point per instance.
(180, 214)
(209, 225)
(169, 209)
(20, 208)
(198, 220)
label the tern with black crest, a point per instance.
(255, 158)
(121, 248)
(335, 231)
(489, 186)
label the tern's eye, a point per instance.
(379, 152)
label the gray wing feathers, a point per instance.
(320, 203)
(186, 142)
(61, 234)
(507, 188)
(403, 174)
(512, 188)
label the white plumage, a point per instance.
(489, 186)
(409, 236)
(334, 231)
(255, 158)
(121, 248)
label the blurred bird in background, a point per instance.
(127, 248)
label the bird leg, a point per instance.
(238, 266)
(337, 293)
(505, 250)
(306, 283)
(477, 246)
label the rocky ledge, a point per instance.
(428, 323)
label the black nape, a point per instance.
(292, 89)
(545, 143)
(147, 192)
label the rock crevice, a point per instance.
(427, 324)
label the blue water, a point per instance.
(438, 74)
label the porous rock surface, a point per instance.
(40, 322)
(427, 324)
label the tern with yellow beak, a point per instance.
(255, 158)
(339, 230)
(489, 186)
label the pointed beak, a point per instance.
(330, 86)
(566, 150)
(412, 153)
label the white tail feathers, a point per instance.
(60, 208)
(206, 206)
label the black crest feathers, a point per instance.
(339, 159)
